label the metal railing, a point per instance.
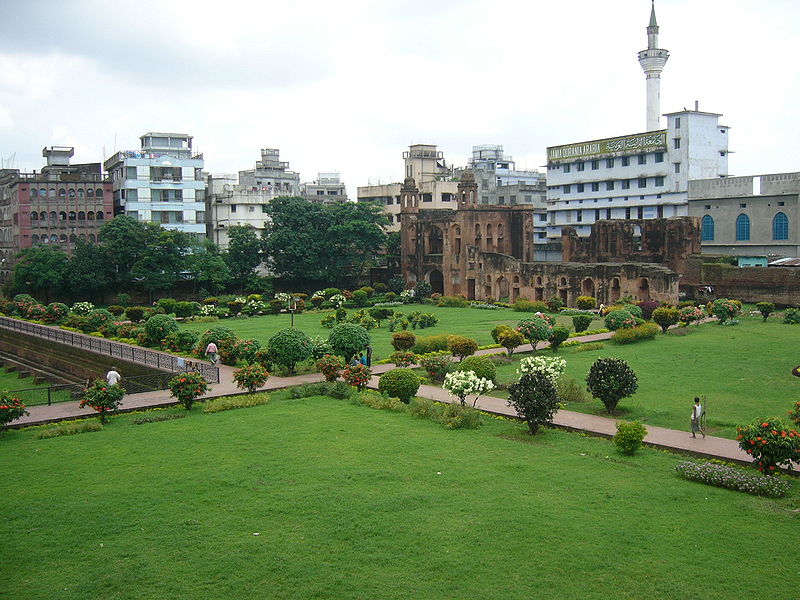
(135, 354)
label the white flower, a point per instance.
(552, 367)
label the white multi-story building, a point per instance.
(229, 204)
(637, 176)
(271, 174)
(326, 188)
(161, 183)
(495, 172)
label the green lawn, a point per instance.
(472, 322)
(12, 381)
(354, 503)
(744, 371)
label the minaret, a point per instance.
(653, 60)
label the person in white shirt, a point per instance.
(697, 415)
(113, 376)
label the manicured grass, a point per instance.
(744, 371)
(471, 322)
(12, 381)
(350, 502)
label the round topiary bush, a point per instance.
(116, 310)
(157, 328)
(666, 317)
(461, 346)
(403, 340)
(348, 339)
(288, 347)
(636, 311)
(585, 302)
(180, 341)
(620, 318)
(611, 379)
(99, 317)
(480, 365)
(135, 313)
(223, 337)
(57, 312)
(581, 322)
(399, 383)
(558, 337)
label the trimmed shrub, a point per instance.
(733, 478)
(554, 304)
(288, 347)
(461, 346)
(647, 331)
(233, 402)
(666, 317)
(399, 383)
(431, 343)
(619, 319)
(157, 418)
(436, 366)
(481, 366)
(187, 387)
(453, 302)
(570, 391)
(186, 309)
(357, 375)
(330, 366)
(725, 309)
(423, 408)
(223, 337)
(135, 313)
(611, 379)
(335, 389)
(57, 313)
(102, 397)
(379, 402)
(581, 322)
(115, 309)
(157, 328)
(403, 340)
(766, 309)
(636, 311)
(360, 299)
(380, 313)
(497, 331)
(401, 358)
(647, 307)
(11, 408)
(791, 316)
(585, 302)
(558, 337)
(246, 350)
(179, 341)
(423, 290)
(527, 306)
(689, 314)
(70, 429)
(535, 399)
(457, 416)
(348, 339)
(167, 304)
(511, 339)
(629, 436)
(99, 317)
(251, 377)
(537, 328)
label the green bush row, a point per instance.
(233, 402)
(70, 429)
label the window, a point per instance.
(34, 216)
(34, 192)
(659, 157)
(707, 207)
(640, 212)
(743, 206)
(596, 214)
(579, 216)
(609, 185)
(130, 173)
(528, 198)
(81, 215)
(626, 184)
(609, 163)
(742, 228)
(580, 166)
(642, 159)
(627, 212)
(608, 213)
(320, 192)
(251, 209)
(595, 165)
(51, 193)
(99, 216)
(580, 188)
(427, 197)
(642, 182)
(676, 143)
(90, 216)
(512, 199)
(566, 168)
(501, 200)
(34, 239)
(541, 235)
(233, 208)
(72, 193)
(677, 167)
(722, 153)
(677, 122)
(542, 216)
(781, 203)
(595, 187)
(81, 194)
(626, 160)
(780, 227)
(659, 181)
(72, 215)
(98, 193)
(89, 193)
(566, 189)
(707, 229)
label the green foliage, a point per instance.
(99, 317)
(585, 302)
(498, 330)
(635, 310)
(347, 340)
(648, 331)
(725, 309)
(458, 416)
(187, 387)
(396, 284)
(569, 391)
(765, 308)
(244, 252)
(330, 366)
(537, 328)
(336, 389)
(511, 339)
(69, 429)
(157, 328)
(558, 337)
(611, 379)
(431, 343)
(401, 358)
(522, 305)
(480, 365)
(186, 309)
(41, 271)
(360, 299)
(535, 399)
(423, 290)
(135, 313)
(435, 366)
(647, 307)
(770, 443)
(167, 304)
(453, 302)
(157, 417)
(379, 402)
(618, 319)
(246, 350)
(791, 316)
(251, 377)
(102, 397)
(666, 317)
(629, 436)
(581, 322)
(461, 346)
(11, 408)
(733, 478)
(403, 340)
(422, 320)
(288, 347)
(357, 375)
(399, 383)
(380, 313)
(233, 402)
(223, 337)
(794, 413)
(182, 341)
(115, 309)
(423, 408)
(554, 304)
(57, 313)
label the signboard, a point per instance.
(645, 142)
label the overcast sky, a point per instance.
(347, 86)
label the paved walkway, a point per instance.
(680, 441)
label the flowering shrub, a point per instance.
(725, 309)
(357, 375)
(733, 479)
(537, 328)
(251, 377)
(11, 408)
(246, 350)
(102, 397)
(407, 295)
(403, 359)
(794, 414)
(484, 306)
(157, 328)
(179, 341)
(689, 314)
(464, 383)
(791, 316)
(337, 300)
(330, 366)
(435, 366)
(399, 383)
(770, 444)
(223, 337)
(209, 310)
(551, 367)
(620, 319)
(320, 347)
(82, 308)
(187, 387)
(36, 311)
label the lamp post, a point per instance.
(292, 308)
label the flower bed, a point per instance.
(733, 478)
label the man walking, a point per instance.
(113, 376)
(697, 415)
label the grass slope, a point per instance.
(354, 503)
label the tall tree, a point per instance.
(89, 272)
(161, 263)
(40, 272)
(207, 266)
(244, 253)
(124, 240)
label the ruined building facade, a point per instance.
(483, 252)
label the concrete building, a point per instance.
(60, 205)
(229, 204)
(435, 179)
(161, 183)
(271, 174)
(326, 188)
(636, 176)
(748, 217)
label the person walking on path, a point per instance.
(211, 352)
(697, 416)
(113, 376)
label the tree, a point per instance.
(535, 398)
(41, 271)
(89, 272)
(124, 240)
(770, 443)
(288, 347)
(208, 267)
(244, 253)
(162, 261)
(348, 339)
(537, 328)
(399, 383)
(766, 309)
(611, 379)
(666, 317)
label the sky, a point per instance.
(347, 86)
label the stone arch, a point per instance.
(563, 290)
(436, 279)
(435, 240)
(501, 288)
(615, 292)
(478, 235)
(489, 238)
(644, 289)
(487, 288)
(587, 287)
(500, 239)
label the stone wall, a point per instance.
(780, 285)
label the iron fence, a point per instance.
(135, 354)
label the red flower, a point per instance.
(765, 424)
